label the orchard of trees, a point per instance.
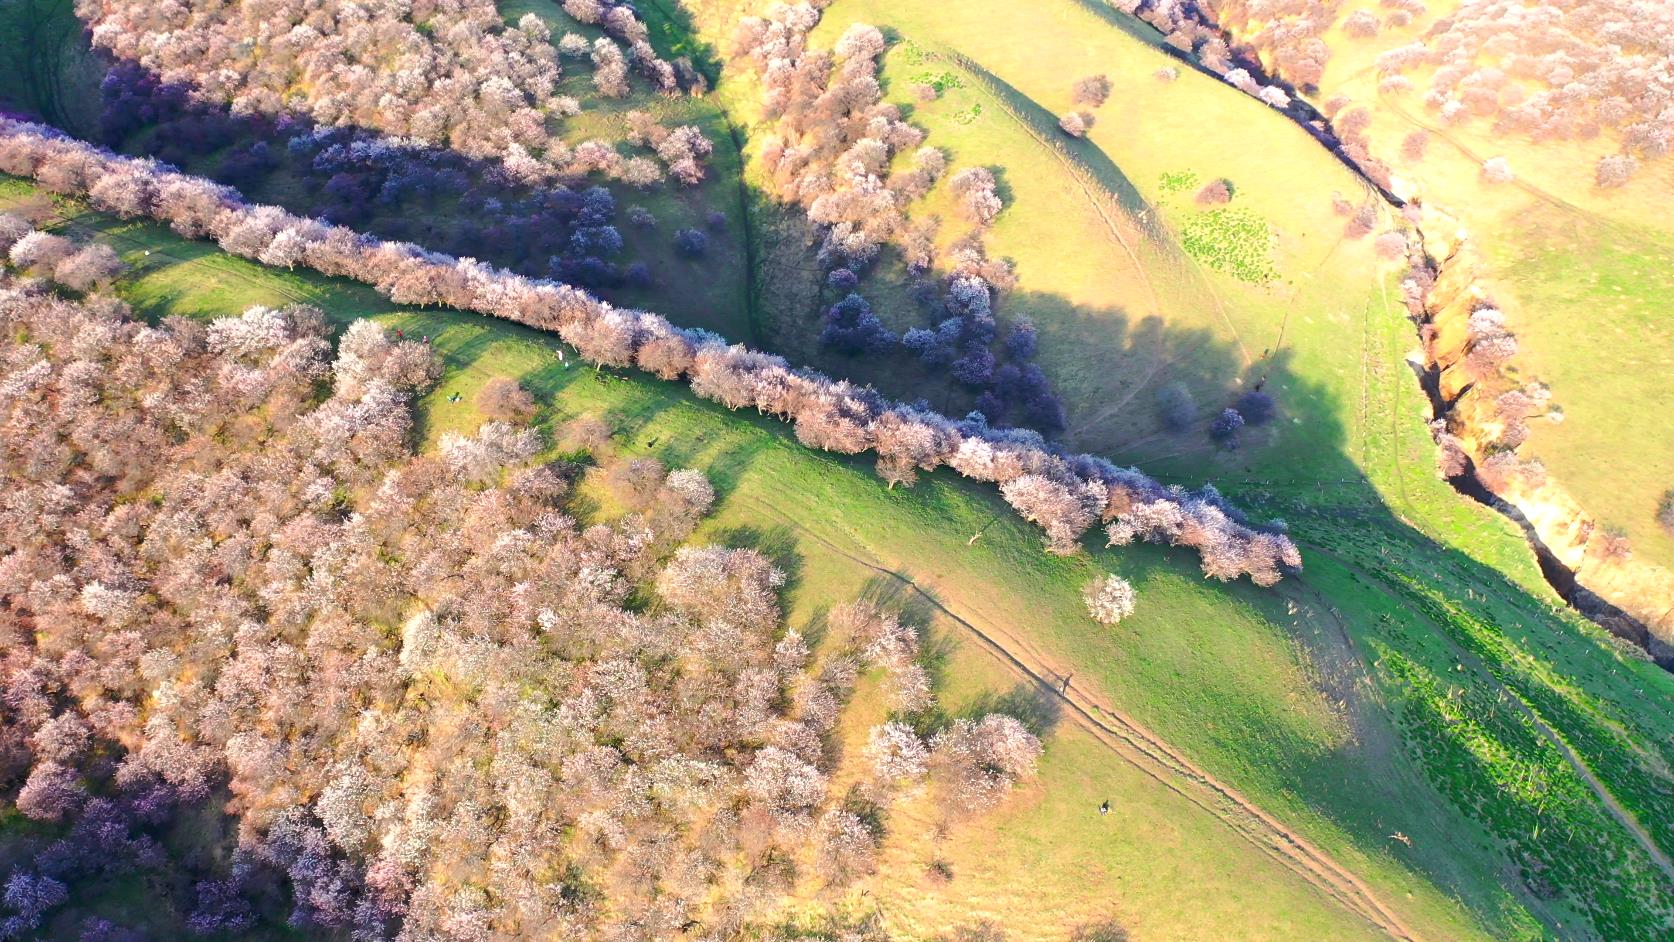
(1562, 70)
(1066, 494)
(446, 73)
(834, 150)
(438, 704)
(403, 188)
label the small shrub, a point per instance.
(1414, 145)
(1497, 170)
(1218, 193)
(1256, 407)
(1109, 600)
(691, 243)
(1225, 427)
(1665, 512)
(1615, 169)
(1108, 930)
(504, 399)
(1176, 407)
(1076, 123)
(1092, 91)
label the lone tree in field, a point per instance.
(1615, 169)
(1414, 145)
(1176, 407)
(1092, 91)
(1497, 170)
(1076, 123)
(1256, 407)
(691, 243)
(504, 399)
(1217, 193)
(1224, 429)
(1110, 599)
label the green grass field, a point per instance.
(1313, 700)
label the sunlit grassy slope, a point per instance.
(1316, 701)
(1583, 274)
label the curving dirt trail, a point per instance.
(1150, 754)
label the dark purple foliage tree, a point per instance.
(851, 327)
(1256, 407)
(1021, 340)
(691, 243)
(1225, 427)
(975, 368)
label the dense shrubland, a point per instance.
(1065, 494)
(398, 190)
(445, 73)
(405, 188)
(439, 705)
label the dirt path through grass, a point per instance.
(1146, 751)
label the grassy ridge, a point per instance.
(1351, 467)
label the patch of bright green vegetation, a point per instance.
(940, 81)
(1177, 181)
(1234, 241)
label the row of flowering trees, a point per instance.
(1066, 494)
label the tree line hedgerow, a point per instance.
(1065, 494)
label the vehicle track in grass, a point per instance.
(1145, 750)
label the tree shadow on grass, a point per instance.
(1034, 704)
(777, 544)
